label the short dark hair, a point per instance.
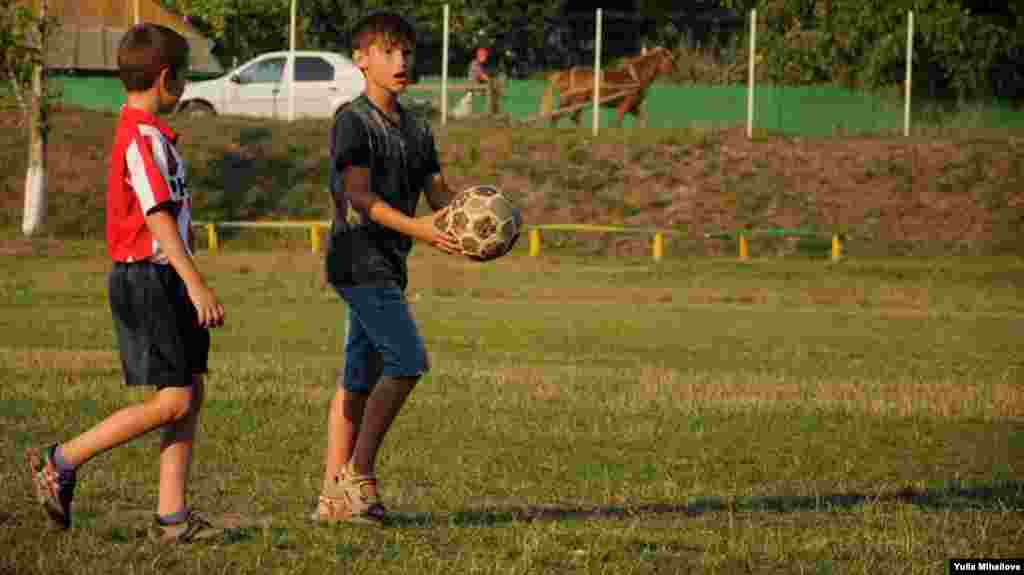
(383, 25)
(145, 50)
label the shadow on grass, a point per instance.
(133, 525)
(998, 497)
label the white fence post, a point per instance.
(290, 70)
(910, 63)
(444, 70)
(597, 73)
(750, 80)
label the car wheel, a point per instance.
(198, 110)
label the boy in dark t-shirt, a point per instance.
(382, 160)
(399, 155)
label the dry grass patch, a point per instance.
(903, 298)
(538, 383)
(943, 399)
(68, 361)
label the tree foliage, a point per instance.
(962, 47)
(23, 40)
(863, 42)
(21, 35)
(325, 24)
(240, 28)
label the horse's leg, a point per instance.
(620, 113)
(553, 120)
(625, 106)
(641, 116)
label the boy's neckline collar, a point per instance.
(399, 111)
(141, 116)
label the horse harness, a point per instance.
(630, 68)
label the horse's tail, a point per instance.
(548, 103)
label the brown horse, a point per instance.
(630, 78)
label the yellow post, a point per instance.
(744, 249)
(314, 237)
(837, 248)
(211, 238)
(658, 249)
(534, 242)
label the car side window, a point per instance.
(267, 71)
(312, 69)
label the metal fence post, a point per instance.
(211, 238)
(314, 237)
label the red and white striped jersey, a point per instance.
(145, 171)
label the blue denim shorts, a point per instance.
(382, 339)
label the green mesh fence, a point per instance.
(803, 111)
(93, 92)
(792, 110)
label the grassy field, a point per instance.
(589, 415)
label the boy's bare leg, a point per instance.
(166, 405)
(344, 417)
(382, 407)
(176, 443)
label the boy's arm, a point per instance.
(439, 195)
(163, 227)
(147, 167)
(356, 180)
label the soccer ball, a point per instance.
(484, 221)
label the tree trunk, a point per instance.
(35, 177)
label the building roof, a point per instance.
(90, 31)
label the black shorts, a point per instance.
(158, 329)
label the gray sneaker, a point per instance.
(54, 489)
(192, 529)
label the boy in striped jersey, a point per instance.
(162, 307)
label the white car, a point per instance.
(259, 88)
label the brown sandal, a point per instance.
(360, 495)
(332, 506)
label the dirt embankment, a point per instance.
(884, 194)
(963, 193)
